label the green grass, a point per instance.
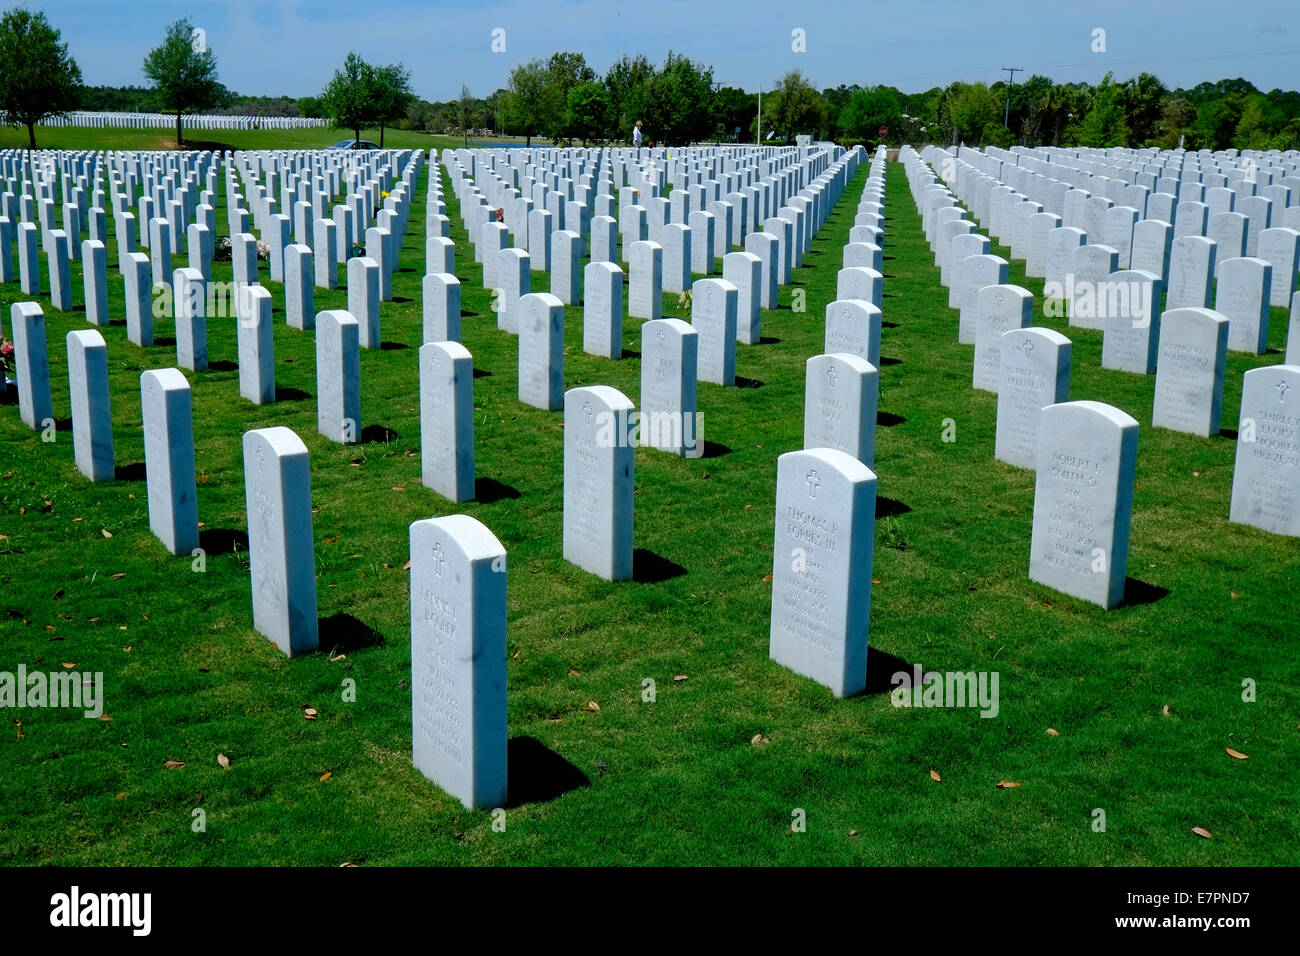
(676, 781)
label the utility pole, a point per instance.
(758, 137)
(1006, 116)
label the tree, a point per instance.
(676, 105)
(38, 78)
(524, 104)
(733, 109)
(870, 109)
(628, 82)
(796, 107)
(588, 112)
(1105, 124)
(564, 72)
(184, 72)
(391, 96)
(347, 100)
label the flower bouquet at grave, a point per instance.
(223, 250)
(263, 250)
(6, 367)
(358, 250)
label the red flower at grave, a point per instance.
(501, 215)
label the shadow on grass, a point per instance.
(393, 346)
(890, 361)
(889, 419)
(347, 634)
(378, 435)
(890, 508)
(628, 353)
(488, 490)
(223, 365)
(164, 340)
(63, 424)
(132, 472)
(1137, 593)
(768, 340)
(216, 541)
(286, 394)
(537, 774)
(713, 449)
(651, 568)
(1228, 433)
(881, 668)
(742, 382)
(400, 299)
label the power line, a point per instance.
(1013, 70)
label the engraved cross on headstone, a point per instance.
(437, 559)
(1282, 389)
(813, 483)
(1027, 347)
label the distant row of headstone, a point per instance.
(1084, 452)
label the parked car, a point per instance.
(354, 144)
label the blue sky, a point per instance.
(292, 46)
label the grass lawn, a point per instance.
(679, 780)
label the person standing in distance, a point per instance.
(636, 135)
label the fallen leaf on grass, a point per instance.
(759, 739)
(173, 764)
(223, 761)
(407, 565)
(1202, 832)
(853, 833)
(105, 532)
(121, 795)
(1053, 732)
(69, 665)
(1007, 784)
(934, 775)
(767, 577)
(106, 717)
(678, 678)
(1236, 753)
(119, 576)
(573, 673)
(592, 706)
(338, 657)
(345, 865)
(326, 775)
(1165, 710)
(309, 713)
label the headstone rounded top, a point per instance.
(607, 397)
(1192, 313)
(166, 378)
(280, 440)
(855, 362)
(339, 316)
(1006, 291)
(677, 326)
(1034, 334)
(544, 300)
(1090, 409)
(452, 350)
(188, 274)
(363, 262)
(834, 460)
(1134, 275)
(86, 338)
(468, 535)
